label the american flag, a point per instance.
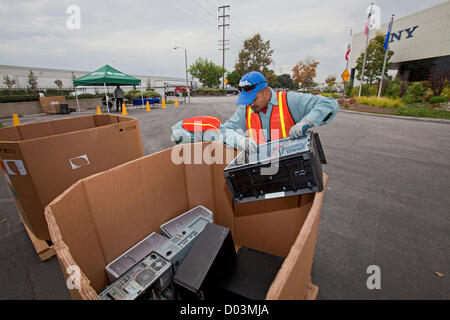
(366, 28)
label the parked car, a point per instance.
(232, 90)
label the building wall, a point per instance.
(424, 34)
(46, 77)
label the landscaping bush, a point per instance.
(414, 93)
(437, 100)
(428, 95)
(208, 92)
(382, 102)
(446, 92)
(19, 98)
(349, 89)
(393, 89)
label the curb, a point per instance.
(398, 117)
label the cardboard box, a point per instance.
(41, 160)
(101, 216)
(50, 105)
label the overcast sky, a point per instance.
(138, 37)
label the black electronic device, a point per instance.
(64, 108)
(137, 282)
(281, 168)
(206, 263)
(250, 277)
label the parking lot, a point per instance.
(386, 204)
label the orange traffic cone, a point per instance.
(99, 112)
(16, 121)
(124, 110)
(176, 102)
(148, 107)
(163, 104)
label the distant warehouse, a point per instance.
(420, 41)
(46, 77)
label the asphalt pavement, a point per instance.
(387, 205)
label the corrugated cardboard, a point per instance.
(50, 105)
(101, 216)
(41, 160)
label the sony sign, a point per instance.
(408, 32)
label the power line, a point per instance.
(193, 13)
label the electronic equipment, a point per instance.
(132, 256)
(179, 223)
(280, 168)
(153, 270)
(176, 248)
(206, 263)
(250, 276)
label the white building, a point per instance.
(420, 41)
(46, 77)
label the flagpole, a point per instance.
(385, 56)
(346, 68)
(365, 52)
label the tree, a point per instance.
(8, 82)
(285, 81)
(233, 78)
(438, 81)
(32, 80)
(59, 83)
(207, 72)
(374, 60)
(255, 55)
(304, 72)
(330, 81)
(73, 78)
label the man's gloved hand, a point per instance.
(299, 129)
(247, 144)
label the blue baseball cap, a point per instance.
(250, 84)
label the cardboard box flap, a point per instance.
(72, 124)
(293, 279)
(10, 134)
(74, 218)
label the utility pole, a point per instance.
(224, 42)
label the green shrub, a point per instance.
(428, 95)
(446, 92)
(151, 94)
(349, 89)
(414, 93)
(19, 98)
(382, 102)
(393, 89)
(208, 92)
(438, 99)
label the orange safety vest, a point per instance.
(196, 124)
(280, 120)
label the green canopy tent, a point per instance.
(106, 75)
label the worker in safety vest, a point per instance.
(264, 115)
(196, 129)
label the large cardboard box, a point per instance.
(51, 105)
(41, 160)
(101, 216)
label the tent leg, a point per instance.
(106, 97)
(142, 98)
(76, 96)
